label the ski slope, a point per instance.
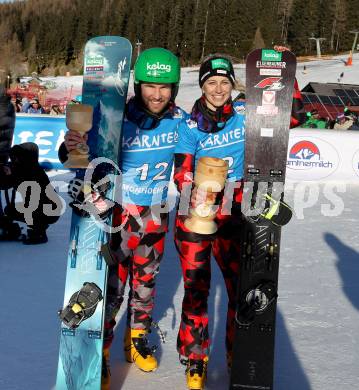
(317, 323)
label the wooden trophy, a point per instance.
(79, 118)
(210, 176)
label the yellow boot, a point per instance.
(137, 351)
(196, 374)
(105, 374)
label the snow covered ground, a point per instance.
(317, 324)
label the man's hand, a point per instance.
(73, 139)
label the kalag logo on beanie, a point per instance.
(216, 66)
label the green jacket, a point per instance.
(314, 124)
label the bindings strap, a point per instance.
(82, 305)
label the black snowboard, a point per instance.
(269, 93)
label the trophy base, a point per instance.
(77, 163)
(196, 225)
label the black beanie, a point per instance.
(216, 66)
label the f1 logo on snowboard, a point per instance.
(270, 84)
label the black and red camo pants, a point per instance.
(195, 253)
(139, 256)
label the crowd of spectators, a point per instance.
(347, 120)
(33, 106)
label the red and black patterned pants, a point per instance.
(138, 252)
(195, 253)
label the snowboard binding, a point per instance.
(86, 198)
(82, 305)
(257, 301)
(276, 211)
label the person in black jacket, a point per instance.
(8, 229)
(40, 206)
(7, 125)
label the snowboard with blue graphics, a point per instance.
(107, 61)
(270, 77)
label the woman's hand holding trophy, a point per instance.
(209, 179)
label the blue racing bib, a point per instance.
(147, 159)
(228, 143)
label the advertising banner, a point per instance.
(313, 155)
(47, 131)
(323, 155)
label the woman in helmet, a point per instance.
(150, 132)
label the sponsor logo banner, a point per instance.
(270, 72)
(94, 61)
(220, 63)
(268, 107)
(157, 69)
(94, 69)
(270, 84)
(271, 55)
(44, 130)
(268, 97)
(267, 132)
(312, 158)
(271, 64)
(267, 110)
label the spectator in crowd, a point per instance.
(18, 164)
(340, 78)
(35, 107)
(45, 204)
(46, 109)
(7, 125)
(55, 110)
(345, 122)
(354, 116)
(8, 229)
(25, 104)
(16, 103)
(315, 121)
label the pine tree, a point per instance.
(258, 42)
(11, 57)
(176, 27)
(235, 22)
(283, 13)
(352, 23)
(303, 25)
(193, 44)
(216, 38)
(52, 34)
